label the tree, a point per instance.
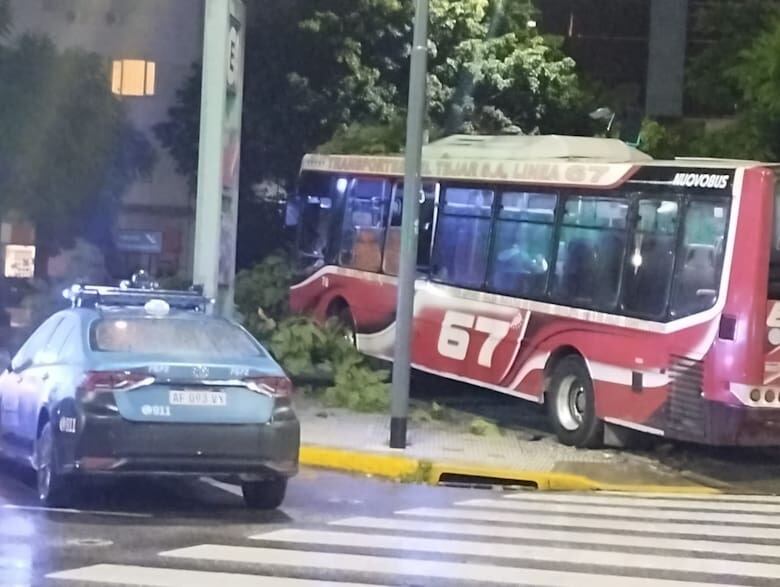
(368, 139)
(318, 70)
(67, 151)
(733, 25)
(746, 83)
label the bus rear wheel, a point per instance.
(571, 405)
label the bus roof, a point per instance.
(528, 148)
(544, 159)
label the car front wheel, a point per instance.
(264, 495)
(52, 486)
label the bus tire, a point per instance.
(571, 405)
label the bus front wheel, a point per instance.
(571, 405)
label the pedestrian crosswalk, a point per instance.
(545, 539)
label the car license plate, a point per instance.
(187, 397)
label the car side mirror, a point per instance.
(23, 366)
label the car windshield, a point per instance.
(173, 336)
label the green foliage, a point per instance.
(482, 427)
(735, 24)
(368, 139)
(743, 138)
(751, 83)
(313, 354)
(336, 74)
(180, 132)
(262, 293)
(358, 388)
(491, 73)
(322, 354)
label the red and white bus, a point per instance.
(621, 291)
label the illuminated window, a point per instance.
(19, 261)
(133, 77)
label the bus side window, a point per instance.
(591, 252)
(697, 281)
(522, 249)
(460, 250)
(425, 234)
(315, 210)
(648, 276)
(365, 221)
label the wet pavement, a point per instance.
(130, 522)
(355, 531)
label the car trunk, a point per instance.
(188, 392)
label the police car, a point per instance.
(141, 381)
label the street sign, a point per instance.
(139, 241)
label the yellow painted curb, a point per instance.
(391, 466)
(405, 468)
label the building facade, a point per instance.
(149, 47)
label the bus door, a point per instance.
(426, 222)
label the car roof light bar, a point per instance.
(86, 296)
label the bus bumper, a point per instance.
(743, 426)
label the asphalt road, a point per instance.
(341, 530)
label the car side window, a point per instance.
(52, 350)
(71, 347)
(36, 342)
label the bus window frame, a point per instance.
(636, 197)
(333, 237)
(342, 218)
(631, 193)
(599, 194)
(500, 190)
(688, 198)
(441, 202)
(396, 182)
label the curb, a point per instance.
(406, 469)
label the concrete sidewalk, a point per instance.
(442, 451)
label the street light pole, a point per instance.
(409, 227)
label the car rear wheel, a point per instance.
(264, 495)
(571, 405)
(52, 486)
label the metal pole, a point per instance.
(409, 228)
(220, 146)
(209, 203)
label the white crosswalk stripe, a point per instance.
(524, 532)
(645, 502)
(544, 539)
(623, 512)
(573, 520)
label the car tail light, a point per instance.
(104, 381)
(275, 386)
